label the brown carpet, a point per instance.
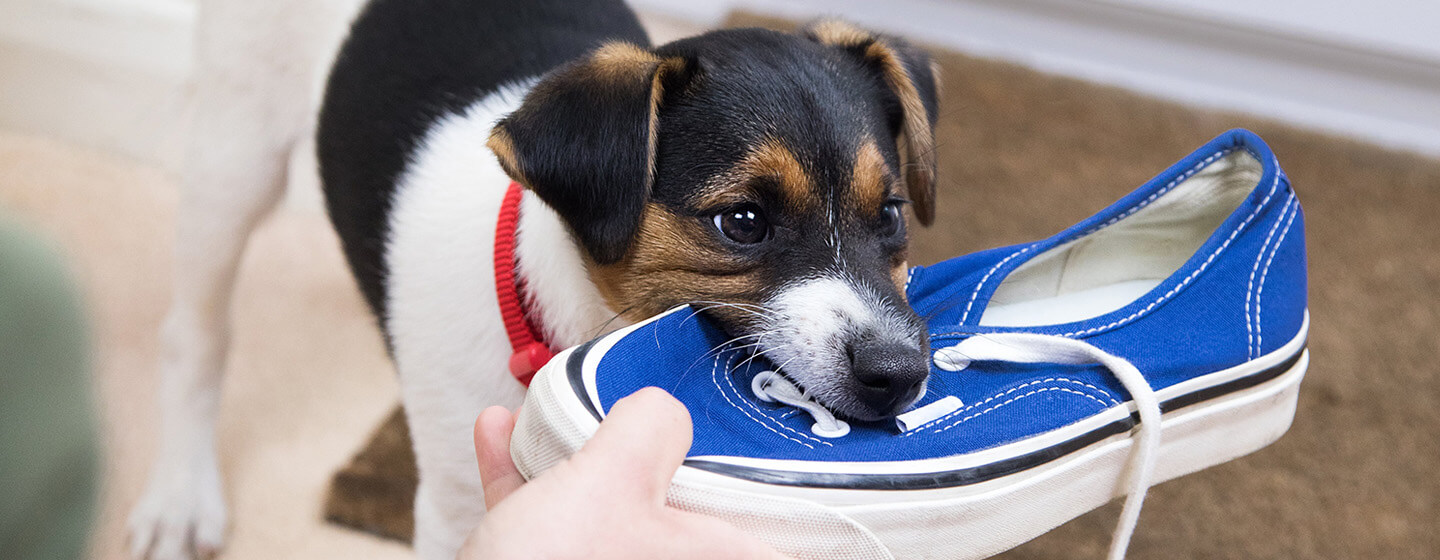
(1025, 154)
(375, 492)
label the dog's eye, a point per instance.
(743, 224)
(891, 219)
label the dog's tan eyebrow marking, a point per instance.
(769, 160)
(724, 190)
(870, 181)
(773, 160)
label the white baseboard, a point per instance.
(109, 73)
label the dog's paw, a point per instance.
(181, 516)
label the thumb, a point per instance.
(639, 445)
(498, 474)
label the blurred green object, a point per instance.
(48, 456)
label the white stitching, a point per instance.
(747, 414)
(1250, 351)
(1259, 335)
(910, 275)
(731, 383)
(985, 279)
(1112, 400)
(1192, 275)
(1157, 194)
(1037, 391)
(1012, 390)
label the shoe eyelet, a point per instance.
(759, 383)
(842, 428)
(950, 359)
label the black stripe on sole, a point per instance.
(577, 378)
(990, 471)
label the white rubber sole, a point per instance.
(963, 522)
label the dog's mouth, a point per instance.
(867, 381)
(857, 355)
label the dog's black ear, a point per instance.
(911, 77)
(584, 141)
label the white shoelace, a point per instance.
(1037, 348)
(1021, 348)
(769, 386)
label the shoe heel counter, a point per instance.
(1282, 288)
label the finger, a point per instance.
(492, 451)
(640, 444)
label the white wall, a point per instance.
(1403, 28)
(1370, 70)
(105, 73)
(109, 73)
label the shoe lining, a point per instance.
(1111, 268)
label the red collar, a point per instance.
(530, 352)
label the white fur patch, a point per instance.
(449, 342)
(551, 264)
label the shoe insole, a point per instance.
(1067, 307)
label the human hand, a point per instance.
(606, 501)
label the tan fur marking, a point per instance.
(918, 136)
(620, 60)
(840, 33)
(869, 185)
(726, 189)
(657, 94)
(673, 261)
(504, 148)
(772, 159)
(899, 274)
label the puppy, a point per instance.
(760, 175)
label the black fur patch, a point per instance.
(407, 63)
(584, 141)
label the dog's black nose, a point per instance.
(891, 374)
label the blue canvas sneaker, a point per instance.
(1164, 335)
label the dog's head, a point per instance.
(759, 175)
